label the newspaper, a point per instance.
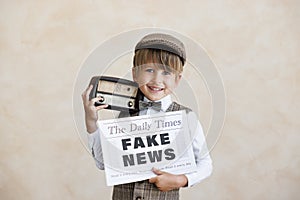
(133, 146)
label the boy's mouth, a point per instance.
(155, 89)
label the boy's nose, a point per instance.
(157, 78)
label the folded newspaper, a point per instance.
(132, 146)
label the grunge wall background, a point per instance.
(254, 44)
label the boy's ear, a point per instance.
(178, 78)
(133, 71)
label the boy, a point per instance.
(157, 68)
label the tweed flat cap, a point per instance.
(164, 42)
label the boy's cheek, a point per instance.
(141, 80)
(135, 75)
(141, 85)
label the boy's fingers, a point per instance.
(94, 100)
(152, 180)
(157, 171)
(86, 93)
(101, 107)
(97, 99)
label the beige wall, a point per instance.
(255, 45)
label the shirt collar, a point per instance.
(165, 102)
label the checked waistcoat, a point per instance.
(143, 190)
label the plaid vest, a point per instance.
(143, 190)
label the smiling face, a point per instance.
(155, 82)
(157, 72)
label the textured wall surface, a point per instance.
(255, 45)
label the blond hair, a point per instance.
(163, 59)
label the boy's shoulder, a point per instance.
(176, 107)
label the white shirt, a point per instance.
(202, 157)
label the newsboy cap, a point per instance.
(164, 42)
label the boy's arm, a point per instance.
(201, 153)
(96, 149)
(166, 181)
(91, 117)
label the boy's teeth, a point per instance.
(153, 88)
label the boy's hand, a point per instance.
(90, 109)
(165, 181)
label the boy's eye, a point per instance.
(149, 70)
(166, 73)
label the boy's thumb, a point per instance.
(157, 171)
